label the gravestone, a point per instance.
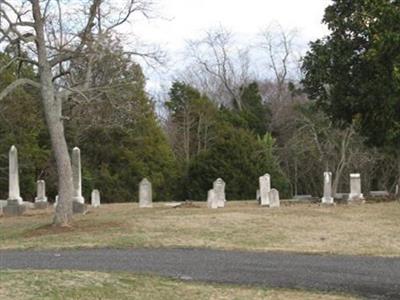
(41, 199)
(379, 194)
(145, 194)
(95, 198)
(77, 175)
(219, 192)
(13, 183)
(327, 198)
(13, 208)
(274, 200)
(258, 197)
(355, 188)
(265, 188)
(211, 200)
(79, 208)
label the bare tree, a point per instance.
(44, 34)
(282, 60)
(218, 67)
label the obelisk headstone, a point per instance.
(77, 175)
(355, 188)
(219, 191)
(95, 198)
(13, 183)
(327, 198)
(265, 188)
(145, 194)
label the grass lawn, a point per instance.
(370, 229)
(95, 285)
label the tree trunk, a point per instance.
(52, 107)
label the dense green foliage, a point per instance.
(354, 73)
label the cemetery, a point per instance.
(154, 149)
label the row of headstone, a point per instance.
(15, 204)
(355, 195)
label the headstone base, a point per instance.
(79, 208)
(13, 209)
(79, 199)
(41, 205)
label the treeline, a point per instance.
(219, 120)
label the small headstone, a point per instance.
(145, 194)
(355, 188)
(265, 188)
(13, 208)
(41, 191)
(219, 192)
(78, 207)
(211, 199)
(327, 198)
(303, 197)
(77, 175)
(13, 183)
(378, 194)
(55, 201)
(95, 198)
(274, 200)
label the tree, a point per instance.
(37, 33)
(218, 68)
(353, 73)
(237, 157)
(194, 116)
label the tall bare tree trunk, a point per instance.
(53, 113)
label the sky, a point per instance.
(181, 20)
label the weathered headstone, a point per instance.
(355, 188)
(78, 207)
(265, 188)
(13, 208)
(13, 191)
(95, 198)
(145, 194)
(77, 175)
(274, 200)
(219, 191)
(211, 199)
(56, 201)
(41, 199)
(379, 194)
(258, 197)
(327, 198)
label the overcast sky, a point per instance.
(181, 20)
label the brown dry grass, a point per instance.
(371, 229)
(75, 285)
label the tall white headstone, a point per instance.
(41, 191)
(145, 194)
(327, 198)
(219, 191)
(77, 175)
(274, 198)
(13, 190)
(355, 188)
(95, 198)
(265, 188)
